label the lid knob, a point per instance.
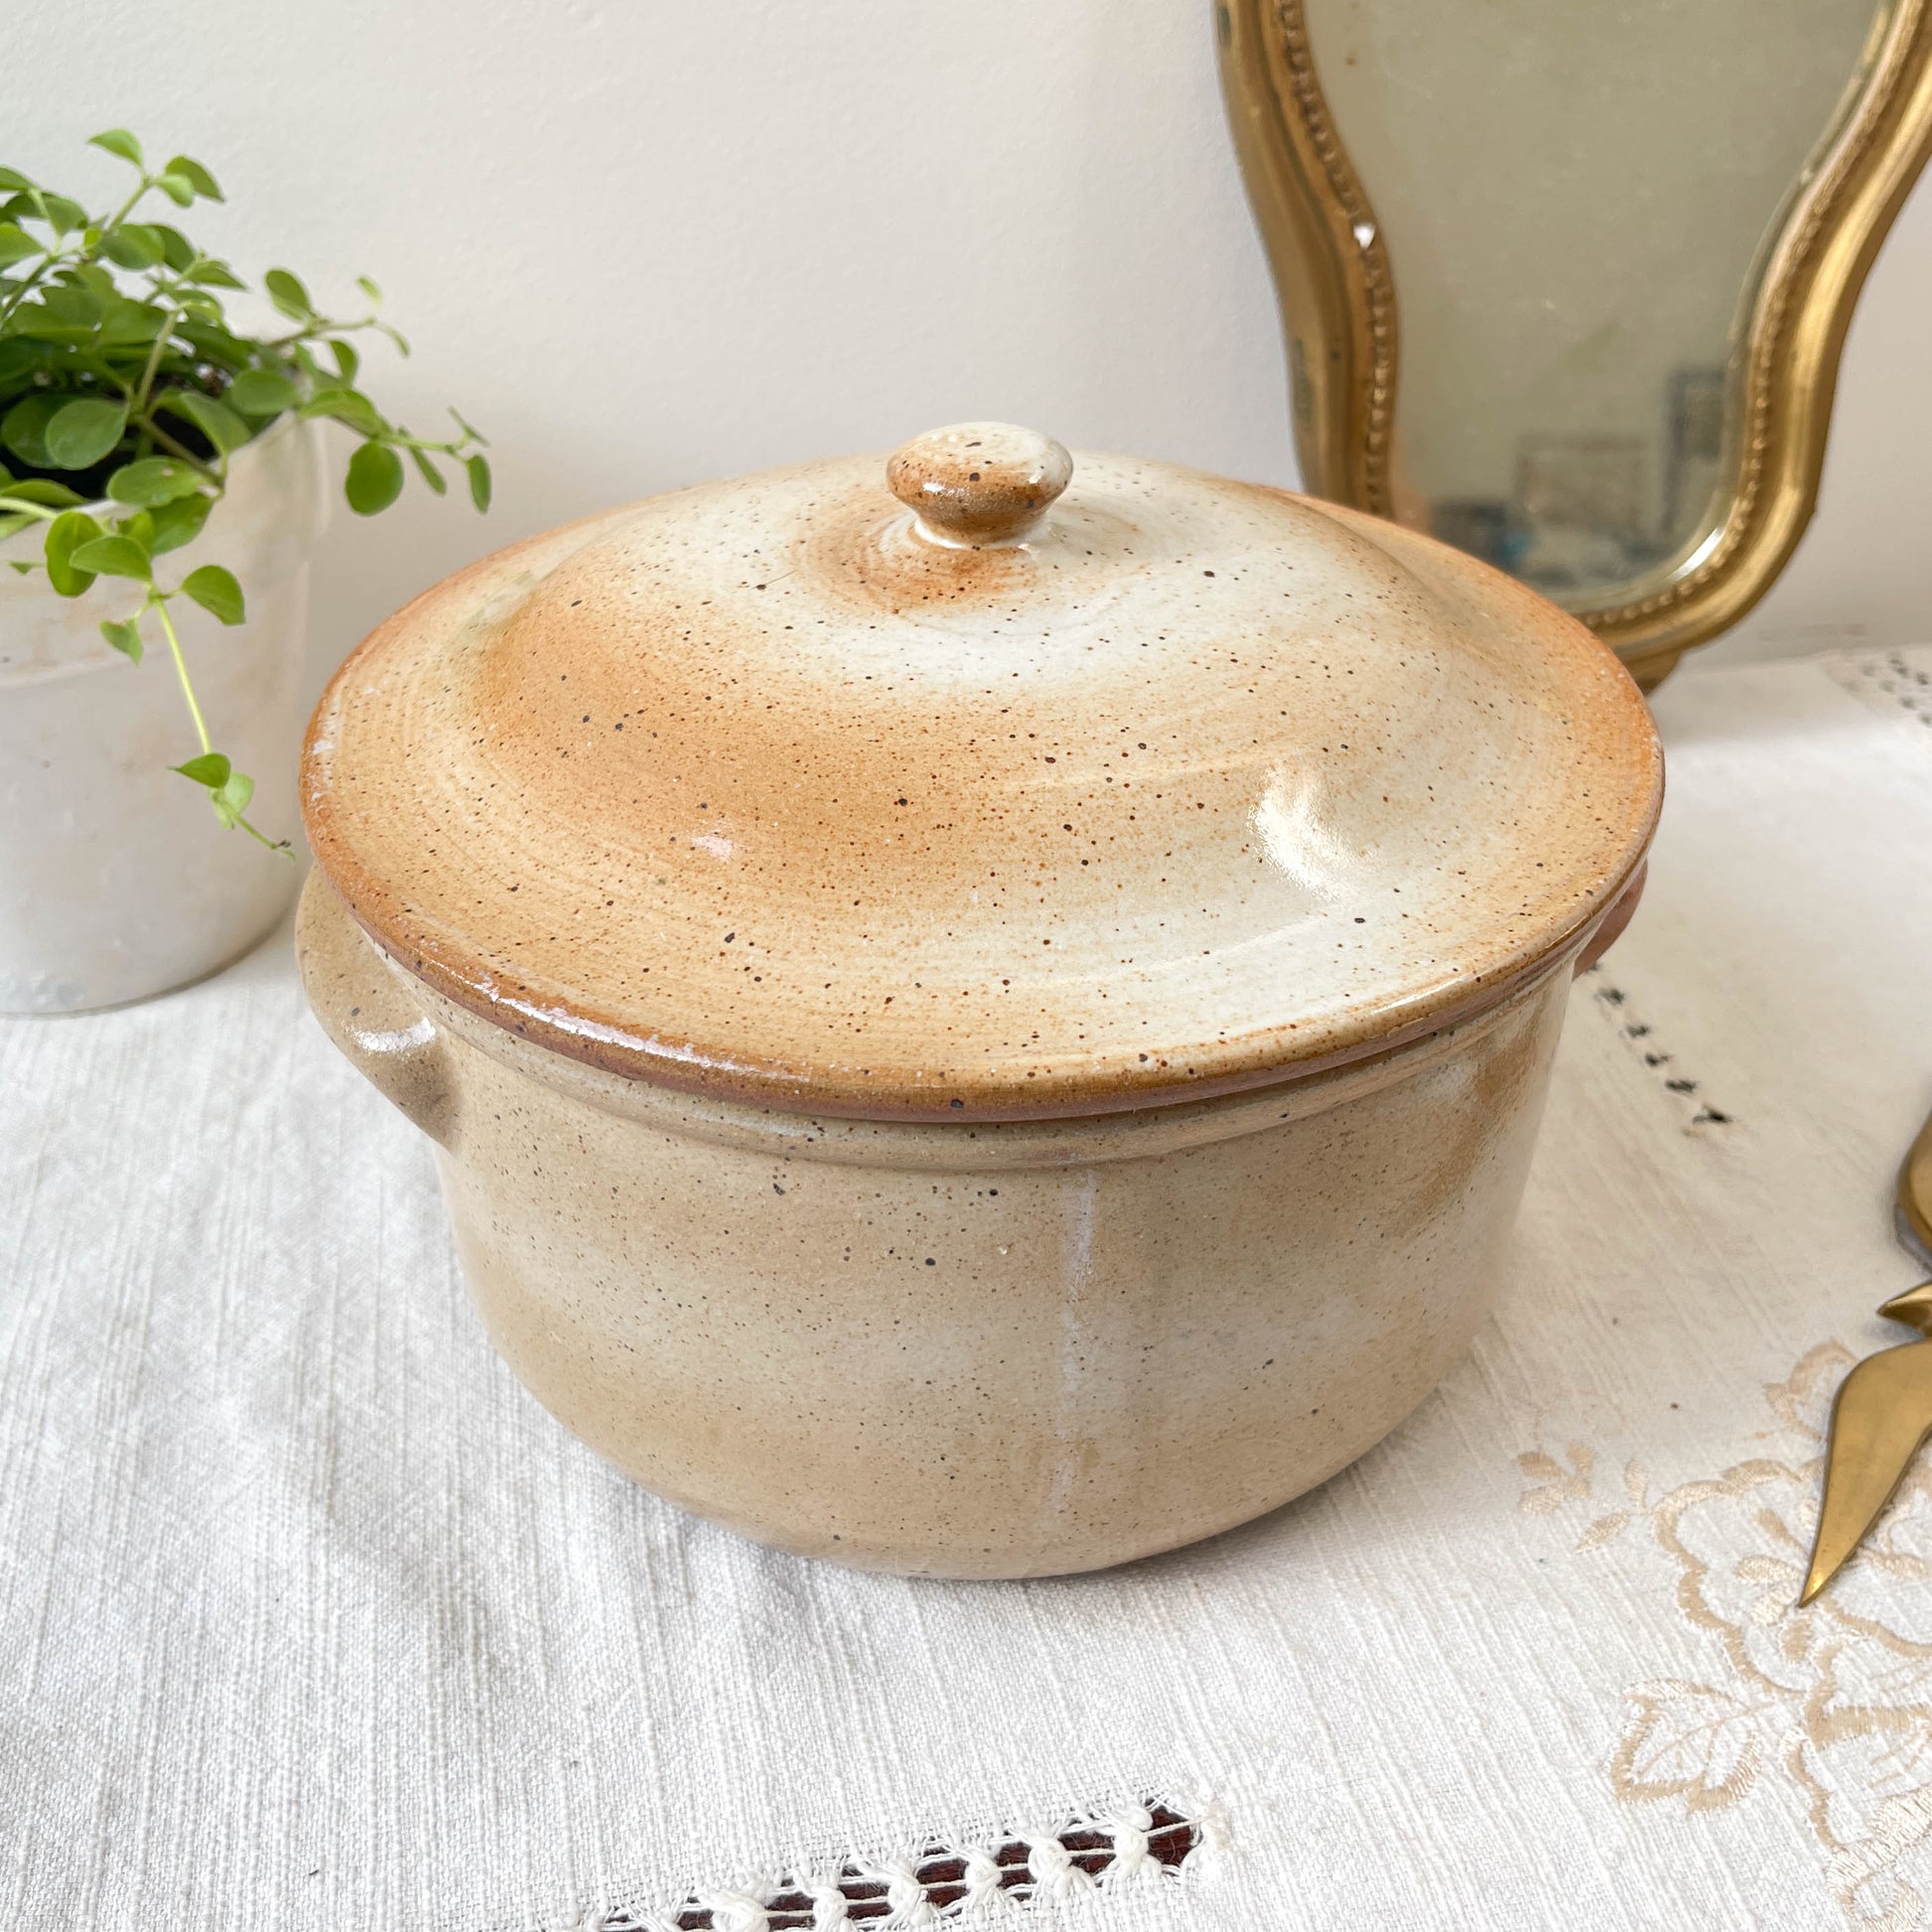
(979, 483)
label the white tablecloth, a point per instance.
(309, 1617)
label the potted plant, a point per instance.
(161, 486)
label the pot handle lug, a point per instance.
(1610, 927)
(365, 1008)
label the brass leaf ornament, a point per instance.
(1883, 1410)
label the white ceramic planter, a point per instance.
(116, 881)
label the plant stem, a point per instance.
(312, 331)
(126, 209)
(146, 421)
(181, 671)
(20, 289)
(139, 400)
(160, 608)
(261, 838)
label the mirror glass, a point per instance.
(1577, 202)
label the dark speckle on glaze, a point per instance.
(765, 790)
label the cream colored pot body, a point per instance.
(998, 1351)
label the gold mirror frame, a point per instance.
(1337, 293)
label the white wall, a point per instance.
(647, 242)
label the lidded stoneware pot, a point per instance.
(982, 1014)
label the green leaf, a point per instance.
(117, 140)
(23, 429)
(32, 322)
(16, 244)
(470, 430)
(232, 798)
(132, 245)
(479, 468)
(196, 176)
(288, 294)
(44, 490)
(212, 274)
(126, 323)
(349, 406)
(179, 522)
(83, 431)
(13, 180)
(214, 342)
(12, 527)
(178, 188)
(368, 288)
(139, 526)
(210, 769)
(374, 478)
(153, 480)
(64, 535)
(115, 556)
(216, 591)
(74, 303)
(216, 420)
(430, 474)
(61, 213)
(175, 248)
(347, 359)
(262, 392)
(124, 634)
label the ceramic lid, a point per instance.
(1027, 784)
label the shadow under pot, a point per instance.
(981, 1016)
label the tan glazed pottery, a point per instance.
(982, 1014)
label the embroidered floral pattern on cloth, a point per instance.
(309, 1617)
(1832, 1697)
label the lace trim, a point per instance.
(1699, 1113)
(941, 1884)
(1901, 678)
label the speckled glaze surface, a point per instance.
(986, 1033)
(778, 791)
